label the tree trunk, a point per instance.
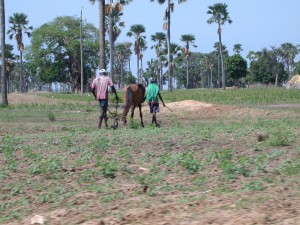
(8, 81)
(81, 56)
(161, 81)
(102, 34)
(221, 58)
(3, 67)
(11, 86)
(141, 70)
(208, 82)
(111, 45)
(211, 80)
(187, 73)
(169, 48)
(129, 67)
(21, 75)
(219, 75)
(138, 68)
(122, 74)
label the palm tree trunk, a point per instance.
(169, 48)
(142, 70)
(112, 45)
(221, 58)
(219, 69)
(3, 67)
(208, 82)
(11, 86)
(122, 74)
(289, 71)
(21, 75)
(187, 73)
(211, 82)
(129, 67)
(102, 34)
(161, 74)
(138, 68)
(276, 75)
(8, 81)
(276, 79)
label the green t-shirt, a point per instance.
(152, 92)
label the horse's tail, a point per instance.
(128, 99)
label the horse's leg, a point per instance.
(141, 115)
(124, 120)
(124, 115)
(132, 112)
(128, 103)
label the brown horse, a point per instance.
(134, 96)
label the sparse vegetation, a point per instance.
(193, 158)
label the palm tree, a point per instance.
(3, 67)
(139, 42)
(220, 16)
(237, 48)
(114, 13)
(160, 38)
(219, 77)
(19, 24)
(9, 57)
(187, 39)
(167, 27)
(143, 47)
(123, 53)
(276, 57)
(208, 65)
(175, 53)
(252, 56)
(101, 32)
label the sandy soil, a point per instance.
(280, 207)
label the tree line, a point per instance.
(53, 55)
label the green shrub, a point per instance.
(51, 116)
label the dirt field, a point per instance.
(214, 203)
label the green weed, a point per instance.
(51, 116)
(255, 185)
(49, 165)
(290, 167)
(280, 138)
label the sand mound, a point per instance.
(294, 80)
(188, 105)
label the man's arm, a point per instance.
(94, 93)
(113, 89)
(92, 89)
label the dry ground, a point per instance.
(276, 205)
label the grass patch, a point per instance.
(61, 164)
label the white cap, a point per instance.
(103, 71)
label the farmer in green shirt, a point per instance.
(152, 94)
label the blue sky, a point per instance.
(256, 23)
